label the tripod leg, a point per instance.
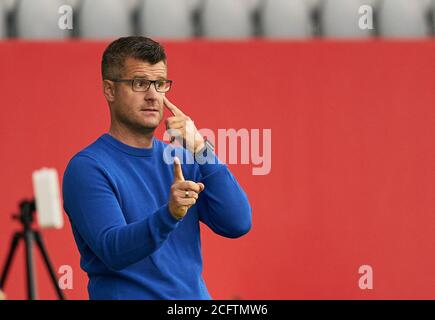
(31, 286)
(14, 244)
(48, 264)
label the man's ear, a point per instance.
(109, 90)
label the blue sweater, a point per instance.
(131, 247)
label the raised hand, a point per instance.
(184, 194)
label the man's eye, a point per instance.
(161, 84)
(141, 83)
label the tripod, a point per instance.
(25, 217)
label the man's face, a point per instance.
(138, 111)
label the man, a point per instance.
(134, 214)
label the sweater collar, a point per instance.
(138, 152)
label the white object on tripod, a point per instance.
(46, 189)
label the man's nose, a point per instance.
(151, 93)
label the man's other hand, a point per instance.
(184, 194)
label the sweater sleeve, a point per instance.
(94, 211)
(223, 205)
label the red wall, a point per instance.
(352, 180)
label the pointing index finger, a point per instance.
(172, 107)
(178, 172)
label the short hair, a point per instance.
(141, 48)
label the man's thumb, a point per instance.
(201, 186)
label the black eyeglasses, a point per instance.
(142, 85)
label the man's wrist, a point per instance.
(200, 147)
(205, 154)
(206, 146)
